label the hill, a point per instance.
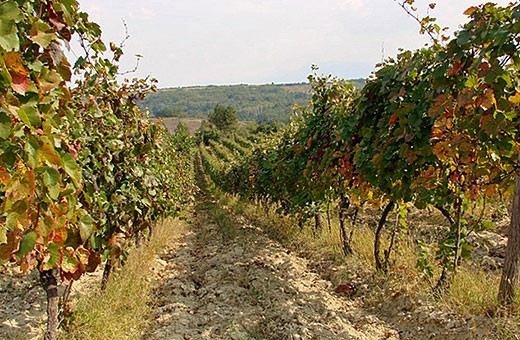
(253, 102)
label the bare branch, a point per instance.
(121, 46)
(419, 21)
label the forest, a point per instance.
(258, 103)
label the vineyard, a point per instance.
(434, 130)
(405, 190)
(83, 171)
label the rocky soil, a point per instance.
(22, 305)
(233, 282)
(226, 279)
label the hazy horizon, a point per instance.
(206, 42)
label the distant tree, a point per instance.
(205, 133)
(169, 112)
(182, 138)
(266, 125)
(264, 118)
(223, 117)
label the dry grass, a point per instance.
(121, 311)
(472, 293)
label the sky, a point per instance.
(219, 42)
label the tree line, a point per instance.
(259, 103)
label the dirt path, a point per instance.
(22, 305)
(227, 280)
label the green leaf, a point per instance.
(54, 192)
(463, 38)
(69, 263)
(23, 117)
(12, 219)
(31, 149)
(9, 11)
(5, 125)
(30, 115)
(50, 176)
(36, 66)
(47, 152)
(27, 244)
(49, 79)
(41, 33)
(465, 250)
(72, 169)
(86, 227)
(54, 257)
(488, 225)
(3, 235)
(9, 15)
(9, 35)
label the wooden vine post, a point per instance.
(510, 279)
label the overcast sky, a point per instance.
(202, 42)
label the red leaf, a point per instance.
(487, 99)
(93, 262)
(470, 10)
(428, 173)
(393, 119)
(58, 236)
(439, 106)
(11, 246)
(20, 83)
(347, 289)
(455, 176)
(484, 67)
(55, 18)
(490, 190)
(456, 68)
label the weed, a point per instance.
(121, 311)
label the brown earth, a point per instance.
(171, 123)
(230, 281)
(226, 279)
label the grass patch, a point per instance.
(217, 214)
(121, 312)
(472, 291)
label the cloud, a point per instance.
(92, 9)
(142, 14)
(343, 5)
(189, 42)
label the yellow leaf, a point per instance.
(470, 10)
(439, 150)
(14, 63)
(4, 176)
(515, 99)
